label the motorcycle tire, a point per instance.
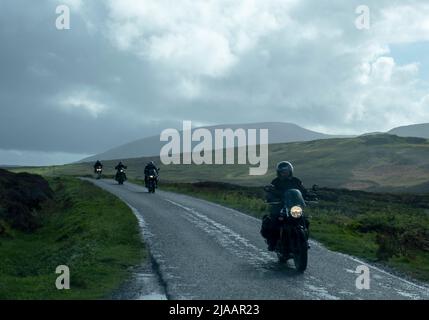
(282, 258)
(301, 260)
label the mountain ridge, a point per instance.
(280, 132)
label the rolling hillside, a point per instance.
(372, 163)
(151, 146)
(415, 130)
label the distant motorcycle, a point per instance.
(294, 230)
(98, 172)
(151, 181)
(121, 176)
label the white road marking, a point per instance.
(226, 237)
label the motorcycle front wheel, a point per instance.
(150, 187)
(282, 258)
(301, 258)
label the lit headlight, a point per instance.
(296, 212)
(151, 177)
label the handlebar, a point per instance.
(269, 188)
(310, 199)
(312, 202)
(273, 202)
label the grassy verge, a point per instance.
(87, 229)
(391, 229)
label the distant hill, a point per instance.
(415, 130)
(381, 162)
(278, 133)
(371, 133)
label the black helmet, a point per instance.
(283, 168)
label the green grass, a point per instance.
(87, 229)
(385, 228)
(342, 239)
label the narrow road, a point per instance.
(206, 251)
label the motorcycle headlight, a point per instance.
(296, 212)
(151, 177)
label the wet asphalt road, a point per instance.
(206, 251)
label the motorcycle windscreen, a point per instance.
(293, 197)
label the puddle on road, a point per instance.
(150, 286)
(143, 285)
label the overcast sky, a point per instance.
(131, 68)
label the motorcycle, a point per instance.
(151, 180)
(151, 183)
(98, 172)
(293, 228)
(121, 176)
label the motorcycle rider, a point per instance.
(120, 166)
(151, 167)
(118, 169)
(283, 182)
(97, 165)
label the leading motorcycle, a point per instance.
(293, 229)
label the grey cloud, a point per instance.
(40, 64)
(303, 71)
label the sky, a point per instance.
(132, 68)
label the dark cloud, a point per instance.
(130, 69)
